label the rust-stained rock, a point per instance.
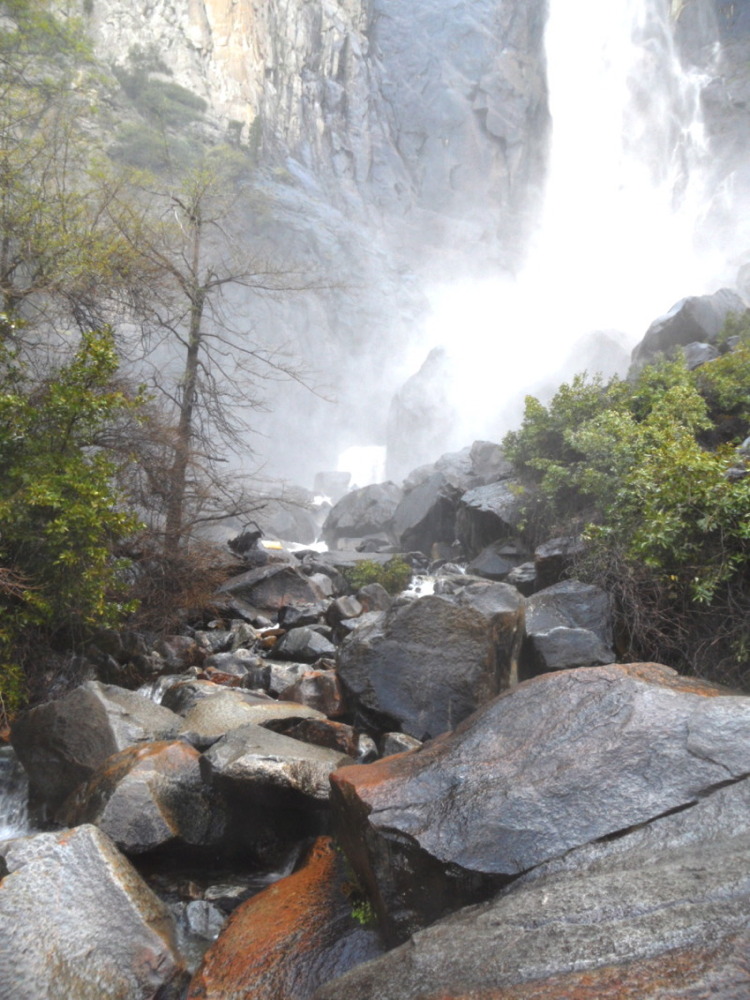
(79, 922)
(61, 743)
(660, 913)
(290, 938)
(318, 689)
(147, 796)
(560, 761)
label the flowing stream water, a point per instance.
(14, 794)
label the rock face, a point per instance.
(148, 796)
(61, 743)
(78, 921)
(587, 927)
(362, 512)
(567, 625)
(428, 664)
(289, 939)
(697, 319)
(523, 780)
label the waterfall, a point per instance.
(616, 242)
(14, 793)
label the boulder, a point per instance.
(362, 512)
(290, 938)
(212, 718)
(78, 921)
(303, 644)
(554, 558)
(61, 743)
(276, 792)
(496, 561)
(427, 664)
(324, 733)
(696, 354)
(271, 587)
(567, 625)
(584, 926)
(256, 759)
(697, 318)
(427, 514)
(522, 781)
(185, 694)
(319, 689)
(147, 796)
(489, 514)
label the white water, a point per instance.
(616, 245)
(14, 791)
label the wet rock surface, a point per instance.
(78, 921)
(290, 938)
(430, 663)
(60, 743)
(524, 780)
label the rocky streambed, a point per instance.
(326, 793)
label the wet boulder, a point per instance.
(554, 558)
(78, 921)
(253, 757)
(276, 790)
(325, 733)
(425, 665)
(489, 514)
(699, 318)
(292, 937)
(523, 780)
(567, 625)
(271, 587)
(212, 718)
(146, 797)
(319, 689)
(426, 516)
(584, 926)
(496, 561)
(361, 512)
(303, 644)
(61, 743)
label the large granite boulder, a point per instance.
(148, 796)
(294, 936)
(659, 912)
(699, 318)
(79, 922)
(212, 718)
(560, 761)
(275, 788)
(61, 743)
(366, 511)
(567, 625)
(489, 514)
(424, 666)
(271, 587)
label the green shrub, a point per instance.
(640, 469)
(394, 575)
(60, 515)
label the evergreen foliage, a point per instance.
(60, 514)
(648, 472)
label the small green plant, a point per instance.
(394, 575)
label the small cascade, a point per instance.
(14, 797)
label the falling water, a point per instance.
(14, 791)
(615, 247)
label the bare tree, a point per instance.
(206, 362)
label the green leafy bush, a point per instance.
(394, 575)
(60, 514)
(641, 470)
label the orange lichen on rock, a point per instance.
(289, 939)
